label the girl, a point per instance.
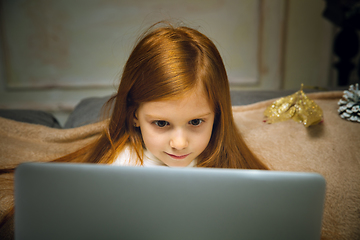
(172, 108)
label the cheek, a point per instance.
(151, 140)
(203, 139)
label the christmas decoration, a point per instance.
(297, 107)
(349, 108)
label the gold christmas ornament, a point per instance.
(297, 107)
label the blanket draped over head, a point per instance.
(331, 148)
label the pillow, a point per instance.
(86, 112)
(31, 116)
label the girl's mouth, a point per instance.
(178, 157)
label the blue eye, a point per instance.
(196, 122)
(161, 124)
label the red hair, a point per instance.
(166, 63)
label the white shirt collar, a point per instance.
(129, 158)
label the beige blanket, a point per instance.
(330, 148)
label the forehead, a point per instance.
(191, 103)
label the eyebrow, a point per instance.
(158, 117)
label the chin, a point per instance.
(177, 163)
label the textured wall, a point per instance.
(85, 43)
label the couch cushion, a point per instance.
(89, 110)
(31, 116)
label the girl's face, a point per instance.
(176, 131)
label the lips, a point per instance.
(178, 157)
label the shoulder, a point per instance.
(127, 157)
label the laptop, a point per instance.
(87, 201)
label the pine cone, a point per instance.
(350, 104)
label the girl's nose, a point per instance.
(179, 140)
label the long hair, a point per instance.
(167, 63)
